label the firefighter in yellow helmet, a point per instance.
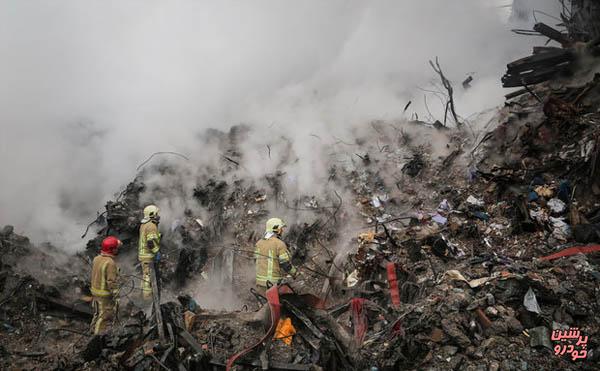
(273, 260)
(149, 246)
(105, 285)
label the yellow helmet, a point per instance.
(274, 225)
(151, 211)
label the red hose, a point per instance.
(275, 307)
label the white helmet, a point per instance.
(150, 212)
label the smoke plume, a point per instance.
(91, 89)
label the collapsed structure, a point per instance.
(418, 257)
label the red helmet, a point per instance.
(110, 245)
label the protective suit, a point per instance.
(149, 247)
(105, 286)
(273, 260)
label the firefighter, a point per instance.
(105, 285)
(273, 261)
(149, 246)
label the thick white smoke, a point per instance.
(90, 89)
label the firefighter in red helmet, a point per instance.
(105, 286)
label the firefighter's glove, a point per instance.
(293, 272)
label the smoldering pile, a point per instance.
(412, 255)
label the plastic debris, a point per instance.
(352, 279)
(560, 229)
(439, 219)
(530, 302)
(456, 275)
(539, 215)
(285, 331)
(444, 206)
(472, 200)
(557, 206)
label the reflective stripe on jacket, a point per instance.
(269, 254)
(104, 276)
(148, 232)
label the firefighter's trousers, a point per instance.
(104, 314)
(146, 284)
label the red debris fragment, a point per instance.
(393, 280)
(572, 251)
(359, 319)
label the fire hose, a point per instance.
(275, 309)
